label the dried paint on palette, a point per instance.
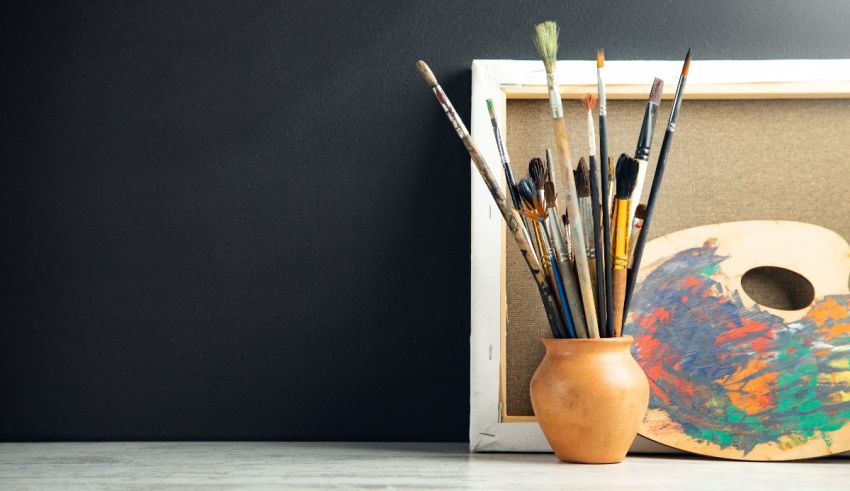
(734, 376)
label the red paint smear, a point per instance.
(692, 282)
(749, 327)
(656, 355)
(684, 298)
(760, 344)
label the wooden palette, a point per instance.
(732, 378)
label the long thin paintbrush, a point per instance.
(546, 39)
(605, 179)
(644, 143)
(656, 180)
(626, 175)
(599, 261)
(503, 156)
(511, 216)
(506, 165)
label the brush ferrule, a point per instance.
(621, 233)
(646, 130)
(603, 103)
(677, 104)
(557, 236)
(637, 224)
(555, 103)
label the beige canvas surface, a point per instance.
(731, 160)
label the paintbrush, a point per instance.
(627, 169)
(546, 39)
(644, 143)
(510, 215)
(605, 181)
(637, 225)
(510, 183)
(657, 179)
(566, 220)
(534, 207)
(503, 156)
(585, 204)
(598, 262)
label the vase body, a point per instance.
(590, 397)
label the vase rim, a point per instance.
(625, 338)
(587, 345)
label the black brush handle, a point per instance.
(606, 223)
(647, 222)
(601, 309)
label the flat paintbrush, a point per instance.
(605, 180)
(626, 175)
(546, 39)
(644, 143)
(510, 215)
(657, 179)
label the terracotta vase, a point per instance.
(589, 396)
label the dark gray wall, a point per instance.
(249, 220)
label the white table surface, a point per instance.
(273, 465)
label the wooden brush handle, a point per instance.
(619, 293)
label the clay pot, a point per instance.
(590, 397)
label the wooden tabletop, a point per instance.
(274, 465)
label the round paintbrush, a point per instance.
(627, 170)
(597, 263)
(654, 191)
(546, 40)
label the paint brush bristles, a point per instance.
(546, 39)
(604, 198)
(510, 215)
(582, 177)
(654, 191)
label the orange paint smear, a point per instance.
(751, 394)
(829, 309)
(837, 330)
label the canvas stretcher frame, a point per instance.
(491, 428)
